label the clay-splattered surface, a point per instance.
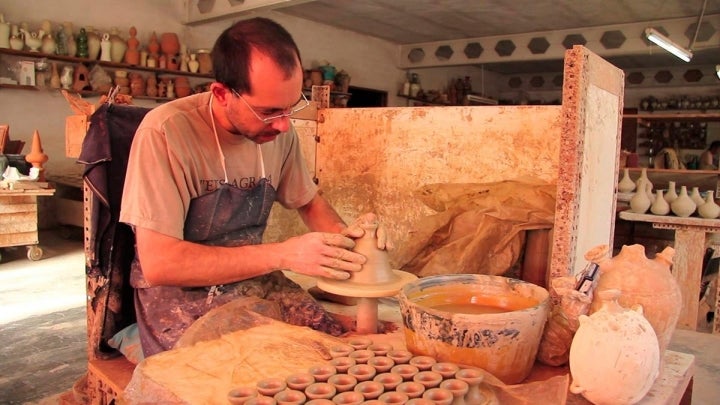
(373, 159)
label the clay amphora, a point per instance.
(671, 193)
(660, 206)
(683, 206)
(709, 209)
(626, 185)
(614, 356)
(640, 202)
(644, 282)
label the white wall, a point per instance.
(370, 62)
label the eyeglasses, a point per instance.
(268, 118)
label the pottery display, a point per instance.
(625, 185)
(614, 356)
(709, 209)
(82, 44)
(671, 193)
(132, 54)
(93, 43)
(118, 46)
(683, 206)
(645, 282)
(4, 32)
(660, 206)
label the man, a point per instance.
(203, 174)
(707, 158)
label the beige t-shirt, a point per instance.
(175, 158)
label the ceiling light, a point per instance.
(717, 71)
(664, 42)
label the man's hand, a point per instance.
(322, 254)
(356, 231)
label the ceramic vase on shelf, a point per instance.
(640, 202)
(82, 44)
(618, 344)
(118, 46)
(93, 42)
(70, 44)
(66, 77)
(660, 206)
(710, 209)
(105, 48)
(193, 64)
(4, 32)
(132, 54)
(645, 282)
(696, 197)
(644, 177)
(626, 185)
(17, 42)
(683, 206)
(671, 193)
(170, 46)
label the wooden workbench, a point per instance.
(19, 220)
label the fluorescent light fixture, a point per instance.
(717, 71)
(664, 42)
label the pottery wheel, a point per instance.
(351, 288)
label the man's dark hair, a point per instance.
(231, 52)
(714, 145)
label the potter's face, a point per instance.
(262, 115)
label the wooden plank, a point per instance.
(76, 127)
(20, 238)
(14, 209)
(17, 222)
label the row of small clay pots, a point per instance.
(361, 372)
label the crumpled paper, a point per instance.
(479, 228)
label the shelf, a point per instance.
(676, 116)
(112, 65)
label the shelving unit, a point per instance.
(35, 56)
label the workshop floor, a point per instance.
(43, 331)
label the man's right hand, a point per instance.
(321, 254)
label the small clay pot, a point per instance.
(299, 381)
(419, 401)
(411, 388)
(341, 350)
(393, 397)
(423, 363)
(445, 369)
(240, 395)
(381, 363)
(342, 364)
(389, 380)
(290, 397)
(322, 372)
(380, 349)
(359, 342)
(361, 356)
(439, 396)
(429, 379)
(261, 400)
(400, 356)
(369, 389)
(270, 386)
(320, 401)
(320, 390)
(407, 371)
(343, 382)
(458, 387)
(362, 372)
(349, 398)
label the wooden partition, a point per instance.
(373, 159)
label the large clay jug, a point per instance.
(614, 356)
(644, 282)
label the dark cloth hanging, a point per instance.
(110, 245)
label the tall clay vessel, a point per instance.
(644, 282)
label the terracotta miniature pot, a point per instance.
(321, 401)
(459, 389)
(270, 386)
(320, 390)
(370, 389)
(342, 364)
(362, 372)
(393, 397)
(439, 396)
(380, 349)
(341, 350)
(411, 388)
(361, 356)
(389, 380)
(445, 369)
(423, 363)
(406, 371)
(400, 356)
(349, 398)
(381, 363)
(299, 381)
(359, 342)
(343, 382)
(429, 379)
(290, 397)
(240, 395)
(322, 372)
